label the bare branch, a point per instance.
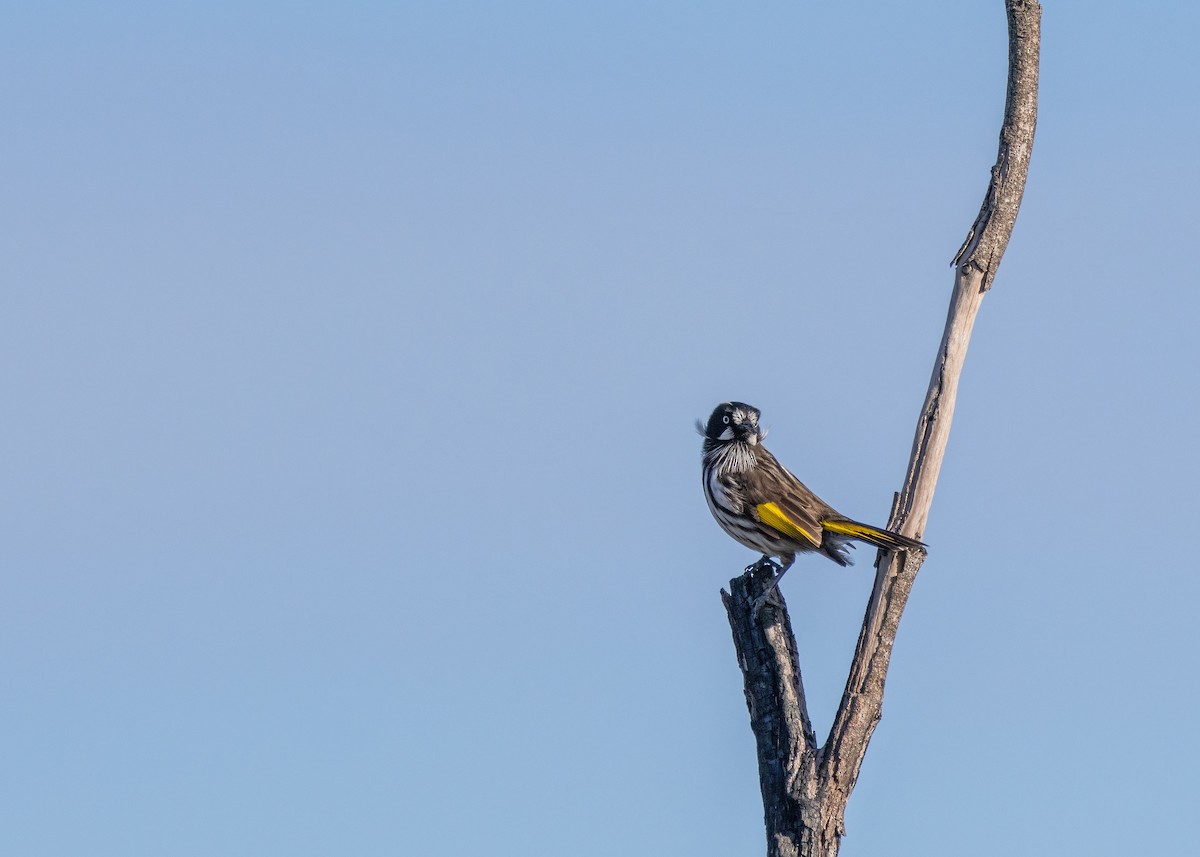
(805, 790)
(895, 573)
(989, 234)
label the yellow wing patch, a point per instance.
(850, 528)
(771, 515)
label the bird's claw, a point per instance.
(760, 602)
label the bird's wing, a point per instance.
(782, 501)
(776, 518)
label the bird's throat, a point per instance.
(734, 457)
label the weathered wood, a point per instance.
(787, 745)
(805, 788)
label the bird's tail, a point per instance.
(877, 536)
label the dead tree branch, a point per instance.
(805, 787)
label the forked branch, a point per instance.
(805, 788)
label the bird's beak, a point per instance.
(753, 436)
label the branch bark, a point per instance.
(805, 787)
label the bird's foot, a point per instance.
(778, 570)
(762, 600)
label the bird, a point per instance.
(758, 502)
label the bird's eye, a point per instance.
(725, 420)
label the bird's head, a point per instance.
(732, 421)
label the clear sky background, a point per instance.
(350, 354)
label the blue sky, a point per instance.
(350, 354)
